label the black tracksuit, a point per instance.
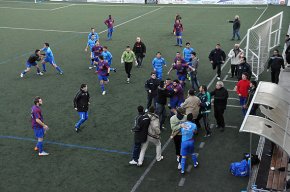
(276, 62)
(139, 49)
(81, 101)
(218, 57)
(151, 84)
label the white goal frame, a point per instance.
(261, 39)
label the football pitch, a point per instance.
(96, 159)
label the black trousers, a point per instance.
(177, 142)
(275, 76)
(128, 67)
(219, 116)
(205, 120)
(151, 97)
(161, 112)
(234, 70)
(139, 58)
(218, 67)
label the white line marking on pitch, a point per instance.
(231, 98)
(138, 183)
(78, 32)
(22, 8)
(62, 7)
(181, 182)
(201, 145)
(234, 106)
(189, 168)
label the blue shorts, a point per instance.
(111, 30)
(181, 77)
(49, 60)
(102, 77)
(38, 132)
(28, 65)
(187, 147)
(159, 74)
(243, 100)
(178, 34)
(175, 102)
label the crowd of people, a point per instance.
(185, 112)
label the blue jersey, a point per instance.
(187, 133)
(158, 63)
(91, 43)
(48, 53)
(96, 35)
(107, 56)
(187, 53)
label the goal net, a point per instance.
(261, 39)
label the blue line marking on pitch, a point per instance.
(66, 145)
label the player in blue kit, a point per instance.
(90, 44)
(38, 126)
(188, 129)
(157, 64)
(108, 57)
(187, 52)
(49, 58)
(178, 28)
(103, 71)
(32, 62)
(93, 33)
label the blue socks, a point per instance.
(183, 160)
(58, 69)
(39, 145)
(180, 41)
(103, 87)
(44, 67)
(177, 41)
(194, 159)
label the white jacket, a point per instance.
(235, 60)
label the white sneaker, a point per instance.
(133, 162)
(195, 165)
(218, 78)
(40, 73)
(90, 68)
(128, 80)
(161, 157)
(43, 153)
(21, 75)
(146, 110)
(179, 166)
(104, 93)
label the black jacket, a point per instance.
(139, 48)
(162, 94)
(218, 56)
(81, 101)
(276, 62)
(220, 98)
(142, 122)
(244, 68)
(152, 84)
(236, 24)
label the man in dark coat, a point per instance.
(217, 57)
(276, 62)
(140, 130)
(140, 50)
(220, 95)
(151, 86)
(243, 67)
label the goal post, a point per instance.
(261, 39)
